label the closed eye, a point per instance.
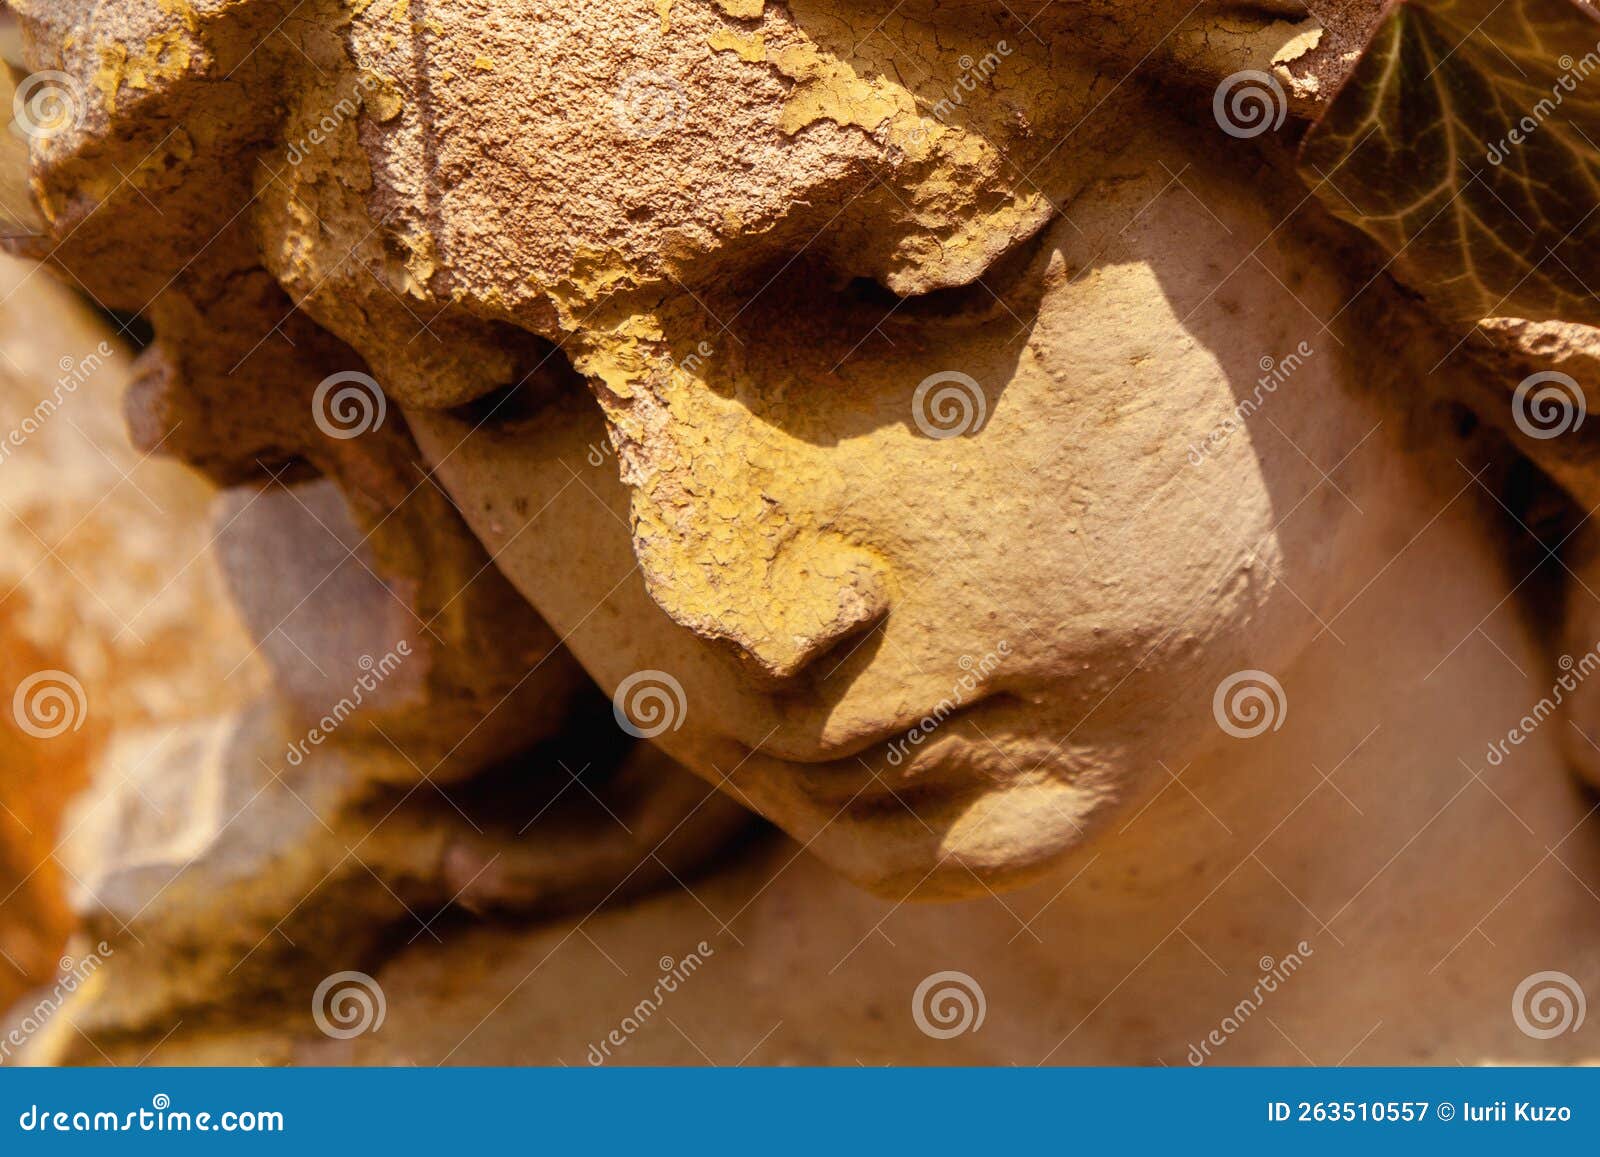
(1002, 289)
(551, 380)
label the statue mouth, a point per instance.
(886, 748)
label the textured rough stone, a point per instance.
(918, 420)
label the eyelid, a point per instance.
(551, 380)
(983, 297)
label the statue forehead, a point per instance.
(568, 151)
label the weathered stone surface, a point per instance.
(942, 433)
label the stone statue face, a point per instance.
(891, 418)
(946, 580)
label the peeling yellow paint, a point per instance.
(751, 48)
(743, 9)
(163, 57)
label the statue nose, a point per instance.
(780, 609)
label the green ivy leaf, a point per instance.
(1466, 140)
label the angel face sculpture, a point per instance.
(940, 430)
(939, 578)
